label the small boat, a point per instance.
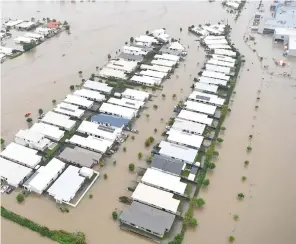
(27, 115)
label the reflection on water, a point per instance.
(32, 80)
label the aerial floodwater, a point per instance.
(32, 80)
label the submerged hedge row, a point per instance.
(60, 236)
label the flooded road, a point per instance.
(32, 80)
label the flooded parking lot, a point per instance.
(32, 80)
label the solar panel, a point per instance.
(106, 128)
(203, 98)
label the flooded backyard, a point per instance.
(32, 80)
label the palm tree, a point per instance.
(140, 155)
(40, 111)
(54, 101)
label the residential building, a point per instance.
(109, 120)
(32, 139)
(59, 120)
(98, 86)
(167, 165)
(185, 139)
(119, 111)
(69, 109)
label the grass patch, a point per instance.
(185, 173)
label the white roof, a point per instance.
(185, 125)
(200, 31)
(6, 50)
(125, 102)
(146, 39)
(218, 41)
(29, 135)
(25, 24)
(44, 30)
(34, 35)
(23, 39)
(166, 181)
(66, 186)
(292, 43)
(209, 80)
(195, 117)
(99, 86)
(200, 107)
(220, 63)
(134, 50)
(86, 172)
(167, 57)
(225, 52)
(214, 38)
(162, 62)
(215, 75)
(120, 111)
(223, 58)
(123, 65)
(158, 32)
(49, 131)
(92, 95)
(148, 80)
(69, 109)
(13, 172)
(177, 151)
(156, 197)
(176, 46)
(231, 4)
(97, 130)
(153, 73)
(215, 29)
(184, 138)
(207, 98)
(156, 68)
(93, 143)
(205, 87)
(21, 154)
(135, 94)
(11, 23)
(219, 46)
(45, 174)
(79, 101)
(216, 68)
(284, 31)
(106, 72)
(59, 120)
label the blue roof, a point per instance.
(109, 119)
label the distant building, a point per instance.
(110, 120)
(53, 24)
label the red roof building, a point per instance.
(53, 24)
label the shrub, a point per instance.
(174, 96)
(124, 149)
(244, 178)
(206, 182)
(80, 72)
(40, 111)
(236, 217)
(2, 141)
(147, 116)
(215, 153)
(72, 87)
(140, 155)
(240, 196)
(155, 106)
(102, 163)
(20, 198)
(163, 95)
(231, 239)
(256, 107)
(155, 130)
(114, 215)
(131, 167)
(105, 176)
(54, 101)
(90, 196)
(133, 137)
(246, 162)
(249, 148)
(29, 120)
(223, 128)
(220, 140)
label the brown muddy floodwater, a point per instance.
(32, 80)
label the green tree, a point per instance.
(54, 101)
(235, 217)
(131, 167)
(256, 107)
(244, 178)
(80, 72)
(206, 182)
(246, 162)
(131, 39)
(174, 96)
(220, 140)
(147, 32)
(67, 27)
(65, 23)
(105, 176)
(29, 46)
(20, 198)
(140, 155)
(109, 56)
(240, 196)
(215, 153)
(102, 163)
(72, 87)
(29, 120)
(163, 95)
(2, 141)
(147, 143)
(133, 137)
(250, 136)
(155, 106)
(180, 29)
(124, 149)
(249, 148)
(114, 215)
(198, 202)
(223, 128)
(147, 116)
(231, 239)
(155, 130)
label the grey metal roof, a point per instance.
(147, 49)
(128, 56)
(194, 170)
(81, 156)
(167, 164)
(147, 217)
(165, 49)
